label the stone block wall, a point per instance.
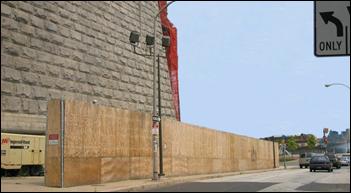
(78, 50)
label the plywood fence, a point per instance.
(104, 144)
(191, 149)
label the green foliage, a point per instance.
(311, 141)
(291, 144)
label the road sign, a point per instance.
(325, 140)
(156, 118)
(325, 130)
(332, 28)
(155, 128)
(53, 139)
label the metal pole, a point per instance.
(348, 141)
(156, 118)
(346, 86)
(284, 156)
(274, 153)
(62, 124)
(154, 114)
(160, 114)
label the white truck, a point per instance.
(22, 154)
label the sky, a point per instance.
(249, 68)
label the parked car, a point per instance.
(320, 162)
(345, 161)
(335, 160)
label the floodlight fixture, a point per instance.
(150, 40)
(134, 37)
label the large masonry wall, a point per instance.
(76, 50)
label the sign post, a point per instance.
(332, 28)
(325, 138)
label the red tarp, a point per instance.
(172, 56)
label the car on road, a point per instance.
(320, 162)
(345, 161)
(334, 159)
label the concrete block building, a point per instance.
(76, 50)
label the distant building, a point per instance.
(302, 140)
(339, 143)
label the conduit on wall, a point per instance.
(172, 56)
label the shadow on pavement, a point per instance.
(215, 187)
(325, 187)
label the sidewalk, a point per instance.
(36, 184)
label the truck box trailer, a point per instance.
(22, 154)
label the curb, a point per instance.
(167, 182)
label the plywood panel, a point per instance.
(135, 167)
(112, 144)
(107, 133)
(114, 168)
(123, 133)
(73, 172)
(80, 171)
(228, 152)
(175, 140)
(179, 166)
(91, 166)
(167, 137)
(145, 135)
(217, 165)
(167, 166)
(52, 152)
(145, 170)
(91, 134)
(134, 143)
(74, 124)
(52, 172)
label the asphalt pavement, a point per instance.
(293, 179)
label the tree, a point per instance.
(291, 144)
(311, 141)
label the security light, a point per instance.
(150, 40)
(134, 37)
(166, 41)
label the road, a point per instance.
(292, 179)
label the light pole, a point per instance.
(346, 86)
(337, 84)
(348, 140)
(284, 151)
(156, 119)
